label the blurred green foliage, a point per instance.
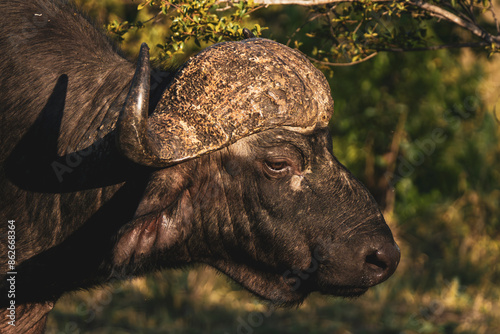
(199, 21)
(419, 129)
(343, 31)
(354, 31)
(184, 25)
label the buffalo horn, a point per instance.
(132, 137)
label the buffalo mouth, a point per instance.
(288, 288)
(344, 291)
(269, 286)
(372, 262)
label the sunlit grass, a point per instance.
(202, 301)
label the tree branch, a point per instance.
(431, 9)
(308, 2)
(441, 13)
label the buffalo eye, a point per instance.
(277, 165)
(277, 168)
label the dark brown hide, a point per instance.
(268, 211)
(258, 195)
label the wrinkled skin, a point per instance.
(275, 210)
(230, 217)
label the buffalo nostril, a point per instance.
(375, 262)
(382, 262)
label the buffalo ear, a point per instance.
(161, 224)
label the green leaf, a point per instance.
(144, 4)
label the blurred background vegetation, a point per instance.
(420, 129)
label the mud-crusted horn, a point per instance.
(226, 92)
(132, 137)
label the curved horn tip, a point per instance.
(132, 135)
(144, 53)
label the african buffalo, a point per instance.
(111, 170)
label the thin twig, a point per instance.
(302, 26)
(468, 15)
(330, 25)
(359, 26)
(437, 47)
(428, 48)
(327, 63)
(492, 10)
(256, 9)
(471, 11)
(229, 5)
(154, 17)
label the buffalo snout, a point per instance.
(380, 260)
(348, 268)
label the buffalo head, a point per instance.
(244, 178)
